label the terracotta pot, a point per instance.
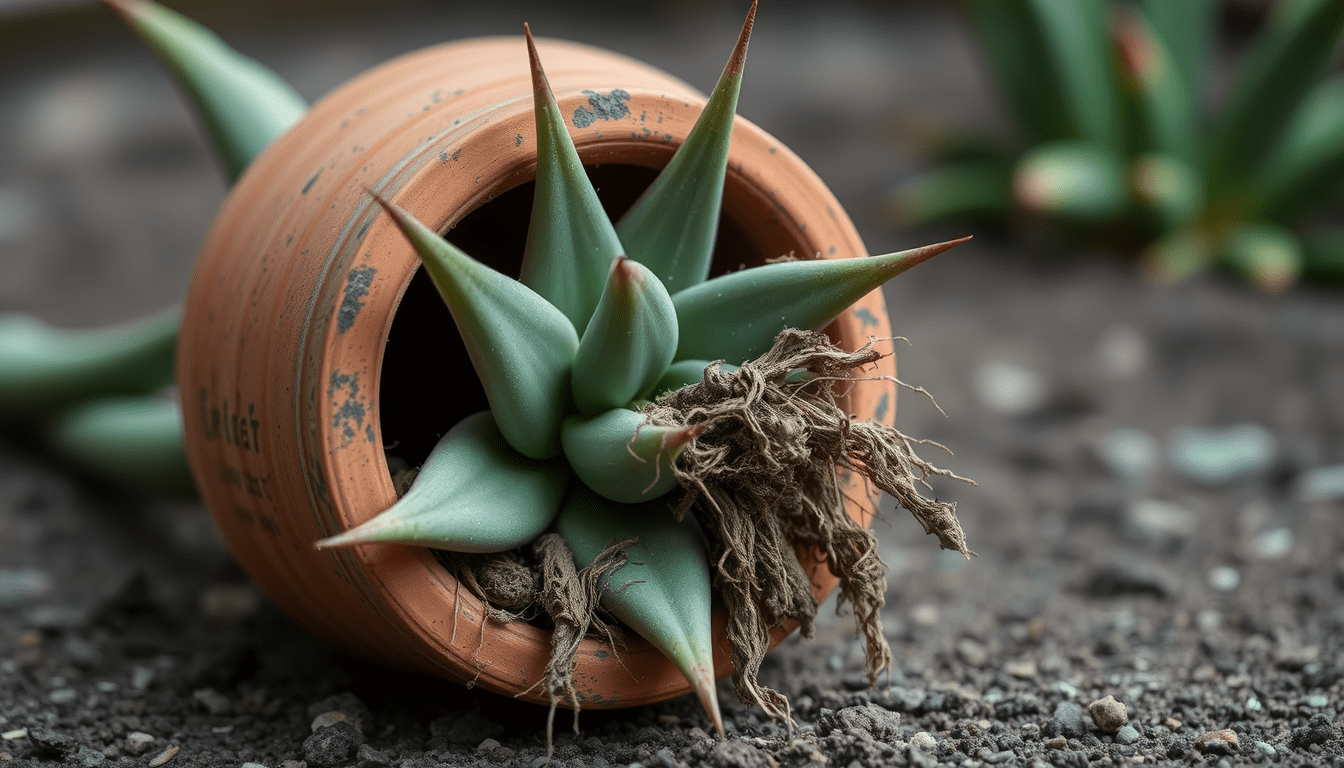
(307, 345)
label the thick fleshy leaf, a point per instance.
(1011, 36)
(243, 104)
(521, 346)
(1076, 33)
(1186, 29)
(622, 458)
(735, 317)
(135, 440)
(1306, 170)
(474, 493)
(663, 591)
(1072, 179)
(970, 189)
(671, 228)
(1177, 256)
(1264, 254)
(570, 241)
(41, 365)
(1286, 61)
(1166, 107)
(1168, 188)
(629, 342)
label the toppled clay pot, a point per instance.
(309, 342)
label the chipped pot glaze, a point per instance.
(281, 355)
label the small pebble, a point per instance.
(972, 652)
(1031, 731)
(212, 701)
(1160, 522)
(252, 765)
(924, 741)
(1321, 484)
(368, 757)
(17, 733)
(1021, 669)
(1173, 723)
(1273, 544)
(1318, 701)
(1224, 578)
(669, 720)
(331, 718)
(1059, 742)
(1222, 742)
(167, 754)
(137, 742)
(1009, 388)
(665, 758)
(1108, 714)
(1131, 454)
(1121, 352)
(1265, 748)
(924, 614)
(1127, 734)
(22, 585)
(1219, 456)
(487, 746)
(1068, 720)
(63, 695)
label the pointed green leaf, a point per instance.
(1285, 62)
(135, 440)
(41, 365)
(628, 344)
(1076, 34)
(1266, 255)
(1186, 29)
(243, 104)
(1011, 37)
(1170, 189)
(473, 494)
(672, 226)
(1072, 179)
(570, 241)
(521, 346)
(663, 591)
(972, 189)
(735, 317)
(1166, 107)
(1306, 170)
(621, 457)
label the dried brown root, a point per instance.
(507, 584)
(570, 598)
(762, 477)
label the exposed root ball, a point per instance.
(762, 479)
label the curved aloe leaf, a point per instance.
(1285, 62)
(735, 317)
(1075, 33)
(244, 105)
(684, 373)
(1167, 108)
(570, 241)
(1186, 29)
(41, 365)
(473, 494)
(970, 189)
(663, 592)
(629, 342)
(521, 346)
(672, 226)
(1267, 255)
(1011, 36)
(1306, 170)
(1072, 179)
(128, 439)
(1169, 188)
(621, 457)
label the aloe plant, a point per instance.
(1107, 99)
(606, 316)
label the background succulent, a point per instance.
(604, 317)
(1114, 144)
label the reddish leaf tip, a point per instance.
(541, 86)
(739, 57)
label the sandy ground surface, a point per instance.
(1158, 518)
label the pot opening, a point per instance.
(494, 233)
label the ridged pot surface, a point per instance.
(282, 351)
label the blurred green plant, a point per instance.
(605, 317)
(1115, 146)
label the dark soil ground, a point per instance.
(1156, 519)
